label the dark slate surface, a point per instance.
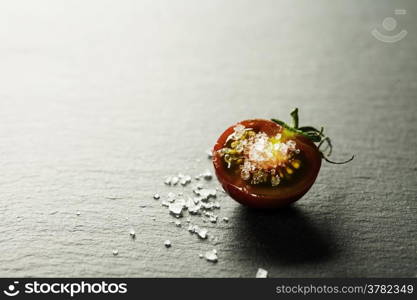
(99, 101)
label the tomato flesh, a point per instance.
(264, 195)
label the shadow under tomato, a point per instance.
(286, 235)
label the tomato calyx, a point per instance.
(315, 135)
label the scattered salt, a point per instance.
(181, 202)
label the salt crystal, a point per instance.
(174, 180)
(207, 175)
(199, 186)
(213, 219)
(132, 233)
(115, 252)
(245, 174)
(185, 180)
(225, 219)
(201, 255)
(202, 233)
(180, 202)
(206, 194)
(194, 209)
(167, 243)
(211, 256)
(156, 196)
(167, 181)
(171, 197)
(78, 213)
(193, 228)
(207, 205)
(178, 223)
(176, 209)
(189, 202)
(239, 130)
(262, 273)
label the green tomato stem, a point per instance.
(315, 135)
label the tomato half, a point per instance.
(263, 164)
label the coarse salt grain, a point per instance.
(261, 273)
(211, 256)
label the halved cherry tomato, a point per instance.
(268, 164)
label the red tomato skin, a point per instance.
(275, 197)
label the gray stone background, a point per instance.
(100, 100)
